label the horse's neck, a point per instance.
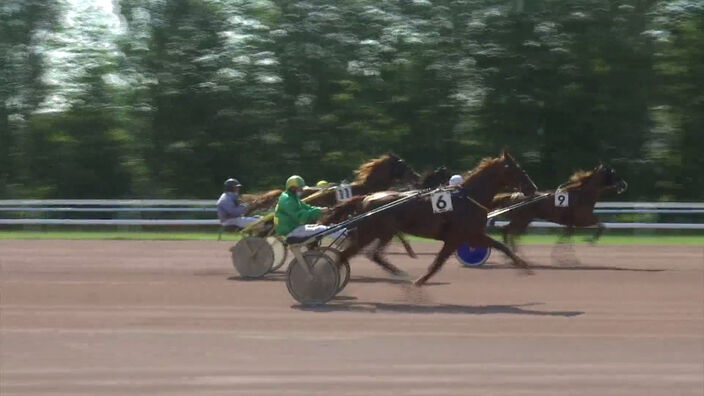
(370, 185)
(589, 192)
(482, 187)
(431, 181)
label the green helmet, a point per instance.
(295, 181)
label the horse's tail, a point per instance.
(343, 210)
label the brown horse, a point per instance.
(574, 209)
(375, 175)
(465, 223)
(432, 179)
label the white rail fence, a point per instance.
(26, 211)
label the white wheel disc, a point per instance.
(252, 257)
(280, 252)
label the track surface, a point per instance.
(125, 317)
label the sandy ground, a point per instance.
(153, 317)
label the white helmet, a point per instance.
(455, 180)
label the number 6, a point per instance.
(441, 204)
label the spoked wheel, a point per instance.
(252, 257)
(316, 287)
(280, 252)
(343, 267)
(472, 257)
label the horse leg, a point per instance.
(566, 235)
(356, 241)
(505, 233)
(599, 230)
(590, 221)
(448, 248)
(486, 240)
(565, 248)
(407, 246)
(377, 256)
(513, 230)
(348, 252)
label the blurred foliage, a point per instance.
(168, 98)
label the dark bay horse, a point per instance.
(574, 211)
(375, 175)
(465, 223)
(433, 179)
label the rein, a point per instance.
(518, 205)
(472, 200)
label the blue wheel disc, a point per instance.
(472, 257)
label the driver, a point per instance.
(455, 180)
(292, 214)
(230, 210)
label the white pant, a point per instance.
(240, 222)
(310, 229)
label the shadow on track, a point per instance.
(394, 281)
(434, 309)
(280, 276)
(578, 267)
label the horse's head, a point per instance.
(609, 179)
(436, 178)
(380, 173)
(514, 176)
(493, 175)
(400, 170)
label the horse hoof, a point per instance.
(401, 274)
(521, 264)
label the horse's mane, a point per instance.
(578, 179)
(365, 170)
(485, 163)
(580, 176)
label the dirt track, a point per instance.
(120, 317)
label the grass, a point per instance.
(118, 235)
(610, 237)
(548, 239)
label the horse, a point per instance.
(435, 178)
(465, 223)
(573, 208)
(375, 175)
(431, 179)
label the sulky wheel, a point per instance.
(252, 257)
(472, 257)
(320, 285)
(280, 252)
(343, 267)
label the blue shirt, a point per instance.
(229, 207)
